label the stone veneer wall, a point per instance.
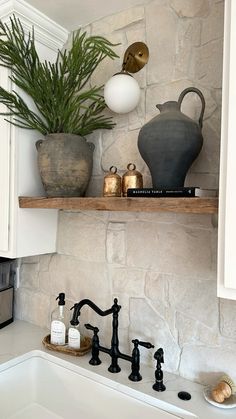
(161, 266)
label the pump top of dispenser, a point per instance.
(61, 298)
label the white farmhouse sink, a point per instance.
(40, 386)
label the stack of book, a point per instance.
(185, 192)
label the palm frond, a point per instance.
(58, 90)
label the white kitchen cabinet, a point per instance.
(227, 199)
(25, 232)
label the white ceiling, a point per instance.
(71, 14)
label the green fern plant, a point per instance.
(60, 92)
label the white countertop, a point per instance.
(21, 337)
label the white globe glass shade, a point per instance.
(122, 93)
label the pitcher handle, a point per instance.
(199, 93)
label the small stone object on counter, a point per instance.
(112, 183)
(224, 389)
(131, 179)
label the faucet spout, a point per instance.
(78, 306)
(113, 351)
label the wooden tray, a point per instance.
(86, 344)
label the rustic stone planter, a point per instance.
(65, 164)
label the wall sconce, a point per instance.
(122, 92)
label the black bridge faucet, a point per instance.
(113, 351)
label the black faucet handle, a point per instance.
(147, 345)
(90, 327)
(95, 360)
(135, 364)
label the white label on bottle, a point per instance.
(74, 338)
(58, 333)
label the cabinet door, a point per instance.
(25, 232)
(227, 204)
(4, 169)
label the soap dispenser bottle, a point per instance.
(59, 321)
(74, 336)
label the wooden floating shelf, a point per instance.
(178, 205)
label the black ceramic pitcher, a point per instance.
(170, 142)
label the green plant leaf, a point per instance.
(60, 93)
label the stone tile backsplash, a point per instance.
(161, 266)
(162, 269)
